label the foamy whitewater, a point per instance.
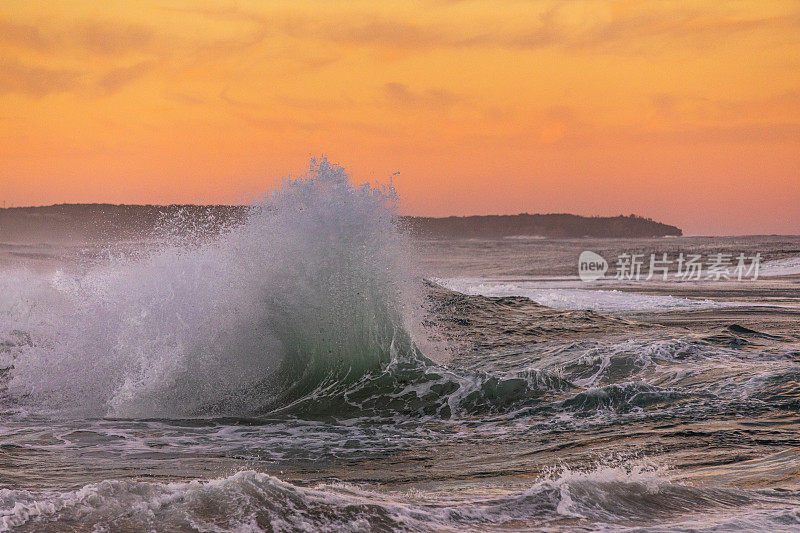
(316, 368)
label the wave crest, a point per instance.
(311, 291)
(633, 495)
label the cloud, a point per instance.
(343, 29)
(688, 109)
(107, 39)
(95, 37)
(119, 77)
(629, 33)
(36, 81)
(664, 103)
(39, 81)
(785, 132)
(383, 33)
(560, 112)
(570, 25)
(400, 94)
(186, 99)
(22, 35)
(232, 101)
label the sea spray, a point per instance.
(310, 292)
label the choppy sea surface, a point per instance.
(314, 369)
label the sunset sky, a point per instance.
(686, 112)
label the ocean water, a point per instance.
(317, 369)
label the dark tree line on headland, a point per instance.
(100, 222)
(553, 225)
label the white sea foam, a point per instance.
(572, 298)
(788, 266)
(606, 496)
(254, 501)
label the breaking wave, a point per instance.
(636, 495)
(308, 307)
(310, 294)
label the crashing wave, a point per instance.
(309, 293)
(634, 495)
(307, 307)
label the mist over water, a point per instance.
(311, 366)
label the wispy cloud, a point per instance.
(630, 33)
(117, 78)
(784, 132)
(400, 94)
(104, 38)
(22, 35)
(683, 108)
(37, 81)
(95, 37)
(570, 25)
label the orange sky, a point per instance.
(686, 112)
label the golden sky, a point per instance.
(686, 112)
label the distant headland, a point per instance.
(100, 222)
(552, 225)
